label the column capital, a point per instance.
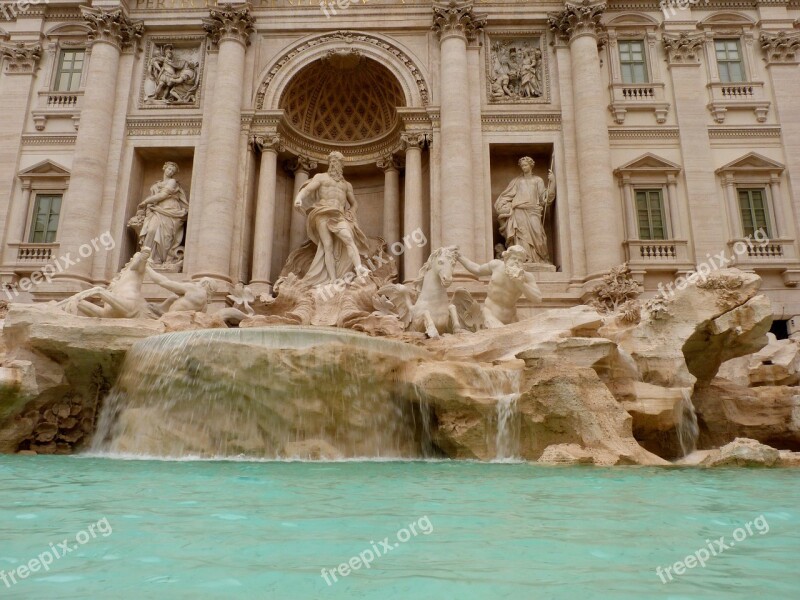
(782, 47)
(578, 19)
(20, 57)
(229, 22)
(112, 26)
(269, 142)
(300, 163)
(457, 18)
(415, 139)
(390, 162)
(683, 48)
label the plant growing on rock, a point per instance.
(617, 289)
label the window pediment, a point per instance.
(648, 163)
(752, 163)
(45, 169)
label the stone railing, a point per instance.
(35, 253)
(57, 105)
(649, 253)
(747, 95)
(638, 96)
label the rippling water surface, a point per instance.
(255, 530)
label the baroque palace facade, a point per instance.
(673, 133)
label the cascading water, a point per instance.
(502, 388)
(275, 392)
(686, 424)
(506, 443)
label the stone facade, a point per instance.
(672, 132)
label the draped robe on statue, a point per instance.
(332, 213)
(164, 221)
(520, 209)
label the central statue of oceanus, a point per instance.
(329, 205)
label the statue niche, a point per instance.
(160, 221)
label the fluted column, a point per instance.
(229, 28)
(263, 236)
(391, 198)
(301, 167)
(579, 26)
(456, 23)
(112, 31)
(413, 219)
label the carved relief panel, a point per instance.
(173, 69)
(516, 70)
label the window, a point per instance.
(755, 216)
(70, 66)
(45, 218)
(632, 61)
(729, 61)
(650, 211)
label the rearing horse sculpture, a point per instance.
(122, 299)
(426, 307)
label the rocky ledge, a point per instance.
(567, 386)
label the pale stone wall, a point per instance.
(594, 134)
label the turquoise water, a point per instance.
(483, 531)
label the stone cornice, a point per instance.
(112, 26)
(457, 19)
(229, 22)
(167, 126)
(20, 58)
(719, 133)
(645, 133)
(683, 48)
(577, 19)
(38, 139)
(782, 47)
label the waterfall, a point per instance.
(277, 392)
(686, 424)
(507, 440)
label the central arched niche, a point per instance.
(344, 97)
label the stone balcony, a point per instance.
(31, 257)
(657, 255)
(638, 96)
(737, 96)
(57, 105)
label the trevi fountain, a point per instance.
(293, 377)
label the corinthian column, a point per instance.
(229, 28)
(269, 146)
(456, 23)
(578, 25)
(112, 30)
(301, 167)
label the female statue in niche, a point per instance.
(521, 210)
(161, 219)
